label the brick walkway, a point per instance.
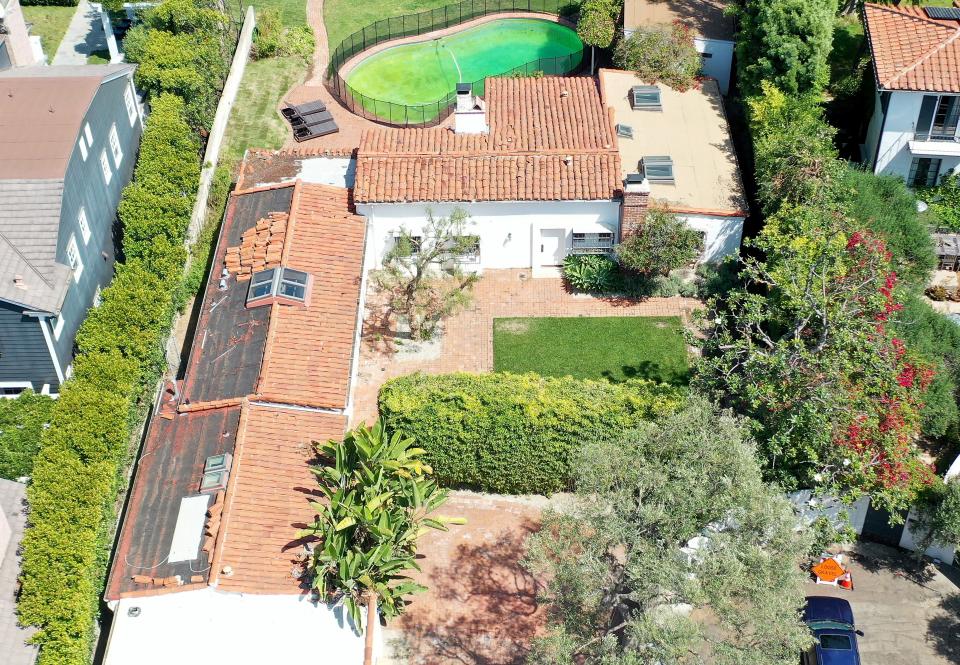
(467, 342)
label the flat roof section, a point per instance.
(692, 130)
(230, 341)
(170, 468)
(706, 17)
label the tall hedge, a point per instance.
(21, 424)
(49, 3)
(80, 469)
(513, 433)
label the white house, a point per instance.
(676, 147)
(916, 64)
(713, 29)
(535, 165)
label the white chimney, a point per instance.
(471, 115)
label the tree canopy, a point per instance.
(624, 583)
(660, 53)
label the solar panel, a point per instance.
(943, 13)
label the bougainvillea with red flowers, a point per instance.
(808, 352)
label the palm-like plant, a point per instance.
(379, 498)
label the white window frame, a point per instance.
(97, 297)
(83, 148)
(131, 104)
(88, 134)
(105, 167)
(114, 141)
(72, 245)
(58, 326)
(84, 225)
(24, 385)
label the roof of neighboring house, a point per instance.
(706, 17)
(912, 51)
(549, 139)
(691, 129)
(262, 383)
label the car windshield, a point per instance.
(829, 625)
(836, 642)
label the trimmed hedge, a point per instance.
(21, 424)
(50, 3)
(514, 433)
(80, 469)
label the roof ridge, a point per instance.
(923, 58)
(895, 9)
(32, 267)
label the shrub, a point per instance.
(273, 40)
(944, 201)
(50, 3)
(514, 433)
(664, 244)
(660, 53)
(591, 272)
(22, 420)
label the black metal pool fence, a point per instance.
(428, 115)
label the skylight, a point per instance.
(645, 97)
(285, 283)
(658, 168)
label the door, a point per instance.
(877, 527)
(553, 246)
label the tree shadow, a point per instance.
(876, 558)
(648, 369)
(943, 629)
(481, 608)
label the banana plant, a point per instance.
(377, 499)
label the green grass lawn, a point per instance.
(292, 12)
(99, 58)
(612, 348)
(50, 24)
(254, 122)
(344, 17)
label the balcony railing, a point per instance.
(929, 136)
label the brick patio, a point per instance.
(467, 341)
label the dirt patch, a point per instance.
(513, 326)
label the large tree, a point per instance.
(808, 351)
(625, 583)
(784, 42)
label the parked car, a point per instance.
(831, 622)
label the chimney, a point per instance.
(471, 114)
(636, 201)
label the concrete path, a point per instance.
(84, 36)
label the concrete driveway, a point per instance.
(910, 614)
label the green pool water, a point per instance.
(394, 82)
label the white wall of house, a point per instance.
(721, 235)
(894, 132)
(511, 233)
(717, 57)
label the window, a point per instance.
(466, 249)
(83, 148)
(115, 145)
(924, 172)
(592, 243)
(625, 131)
(645, 97)
(88, 134)
(56, 323)
(105, 166)
(278, 282)
(706, 56)
(404, 245)
(84, 226)
(11, 391)
(657, 168)
(835, 642)
(131, 105)
(938, 119)
(73, 258)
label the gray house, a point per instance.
(68, 143)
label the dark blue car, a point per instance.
(831, 622)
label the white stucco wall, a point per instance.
(894, 156)
(509, 231)
(720, 61)
(721, 235)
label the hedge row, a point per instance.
(50, 3)
(21, 424)
(513, 433)
(80, 469)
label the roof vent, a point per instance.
(133, 612)
(18, 282)
(624, 131)
(943, 13)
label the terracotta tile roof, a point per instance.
(268, 498)
(912, 51)
(309, 350)
(550, 139)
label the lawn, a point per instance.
(50, 24)
(254, 122)
(292, 12)
(612, 348)
(344, 17)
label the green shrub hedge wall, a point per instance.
(80, 469)
(49, 3)
(21, 424)
(513, 433)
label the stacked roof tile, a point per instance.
(549, 139)
(912, 51)
(260, 248)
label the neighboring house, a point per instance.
(68, 142)
(676, 149)
(713, 30)
(208, 567)
(916, 65)
(535, 164)
(17, 48)
(13, 519)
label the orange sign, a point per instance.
(829, 570)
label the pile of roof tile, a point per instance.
(309, 120)
(261, 247)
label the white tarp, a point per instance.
(185, 545)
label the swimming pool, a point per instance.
(414, 83)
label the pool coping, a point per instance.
(350, 64)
